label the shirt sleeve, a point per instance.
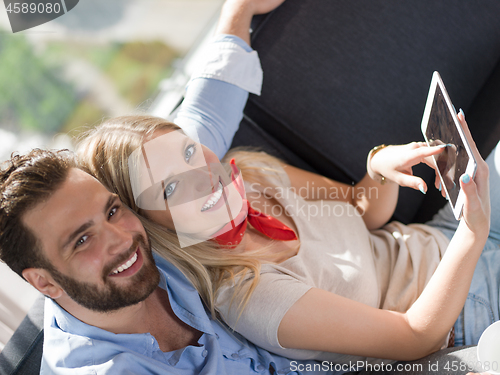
(217, 92)
(259, 320)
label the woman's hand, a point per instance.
(395, 163)
(261, 6)
(236, 16)
(476, 211)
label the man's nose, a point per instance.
(118, 239)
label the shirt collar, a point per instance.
(184, 300)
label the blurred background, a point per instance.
(101, 59)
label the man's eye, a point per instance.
(169, 190)
(190, 150)
(81, 241)
(113, 211)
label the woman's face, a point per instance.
(183, 185)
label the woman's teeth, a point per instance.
(214, 199)
(125, 266)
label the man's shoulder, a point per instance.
(72, 344)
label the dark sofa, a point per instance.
(341, 76)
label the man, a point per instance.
(113, 307)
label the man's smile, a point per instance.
(130, 266)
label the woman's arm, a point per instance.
(323, 321)
(217, 93)
(375, 201)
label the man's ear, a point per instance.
(43, 282)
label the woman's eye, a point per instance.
(169, 189)
(190, 150)
(81, 241)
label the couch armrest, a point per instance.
(23, 352)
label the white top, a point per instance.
(387, 268)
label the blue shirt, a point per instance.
(73, 347)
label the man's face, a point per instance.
(98, 249)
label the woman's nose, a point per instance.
(204, 181)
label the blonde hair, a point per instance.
(104, 152)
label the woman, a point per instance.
(376, 300)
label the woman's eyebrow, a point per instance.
(171, 174)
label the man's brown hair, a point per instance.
(25, 181)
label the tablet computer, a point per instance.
(440, 126)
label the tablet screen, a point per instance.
(441, 129)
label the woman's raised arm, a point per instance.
(218, 90)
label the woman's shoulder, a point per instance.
(244, 315)
(258, 167)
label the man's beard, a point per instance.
(113, 297)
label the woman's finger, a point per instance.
(470, 189)
(413, 182)
(474, 214)
(439, 186)
(424, 155)
(468, 135)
